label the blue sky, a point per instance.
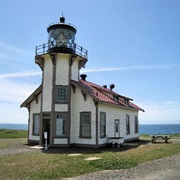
(133, 44)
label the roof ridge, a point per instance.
(106, 95)
(108, 90)
(100, 96)
(88, 86)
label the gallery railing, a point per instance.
(44, 48)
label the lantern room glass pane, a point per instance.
(61, 38)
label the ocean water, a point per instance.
(159, 129)
(143, 128)
(14, 126)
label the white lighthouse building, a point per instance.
(72, 110)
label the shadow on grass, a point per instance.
(85, 150)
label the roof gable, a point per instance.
(104, 95)
(32, 97)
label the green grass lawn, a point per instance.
(56, 163)
(4, 133)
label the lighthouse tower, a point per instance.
(66, 110)
(60, 60)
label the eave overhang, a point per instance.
(31, 97)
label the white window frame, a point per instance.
(136, 125)
(61, 94)
(102, 124)
(127, 124)
(61, 119)
(36, 124)
(85, 124)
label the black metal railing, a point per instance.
(44, 48)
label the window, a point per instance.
(85, 124)
(115, 98)
(116, 125)
(61, 94)
(127, 124)
(36, 124)
(135, 124)
(126, 101)
(102, 124)
(60, 124)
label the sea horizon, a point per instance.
(143, 128)
(139, 123)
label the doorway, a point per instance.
(46, 128)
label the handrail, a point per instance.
(55, 23)
(43, 49)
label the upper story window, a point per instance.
(126, 101)
(115, 98)
(61, 94)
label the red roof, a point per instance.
(98, 92)
(105, 95)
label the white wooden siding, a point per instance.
(79, 105)
(75, 70)
(62, 69)
(61, 107)
(112, 113)
(60, 141)
(34, 108)
(47, 84)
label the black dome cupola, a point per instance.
(61, 37)
(62, 19)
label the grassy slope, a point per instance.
(55, 165)
(4, 133)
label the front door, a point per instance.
(116, 128)
(46, 128)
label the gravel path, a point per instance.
(160, 169)
(14, 146)
(14, 151)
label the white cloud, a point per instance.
(20, 74)
(136, 67)
(98, 69)
(15, 92)
(12, 113)
(12, 94)
(5, 56)
(141, 67)
(11, 52)
(160, 112)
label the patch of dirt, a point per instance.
(92, 158)
(77, 154)
(36, 147)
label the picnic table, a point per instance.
(162, 137)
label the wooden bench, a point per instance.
(165, 138)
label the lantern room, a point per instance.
(61, 37)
